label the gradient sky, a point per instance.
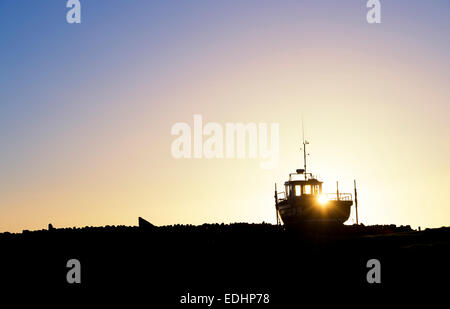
(86, 110)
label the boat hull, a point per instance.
(298, 213)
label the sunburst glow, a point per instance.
(323, 200)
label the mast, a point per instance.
(356, 202)
(304, 148)
(276, 205)
(337, 190)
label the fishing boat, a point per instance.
(303, 203)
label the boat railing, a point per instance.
(301, 176)
(281, 196)
(342, 196)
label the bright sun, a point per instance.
(323, 199)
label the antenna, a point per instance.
(304, 147)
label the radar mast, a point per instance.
(304, 148)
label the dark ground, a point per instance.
(160, 264)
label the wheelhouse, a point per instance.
(303, 188)
(308, 187)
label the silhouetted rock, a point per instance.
(50, 227)
(144, 224)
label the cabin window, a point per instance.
(316, 190)
(307, 189)
(298, 190)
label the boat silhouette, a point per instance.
(303, 203)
